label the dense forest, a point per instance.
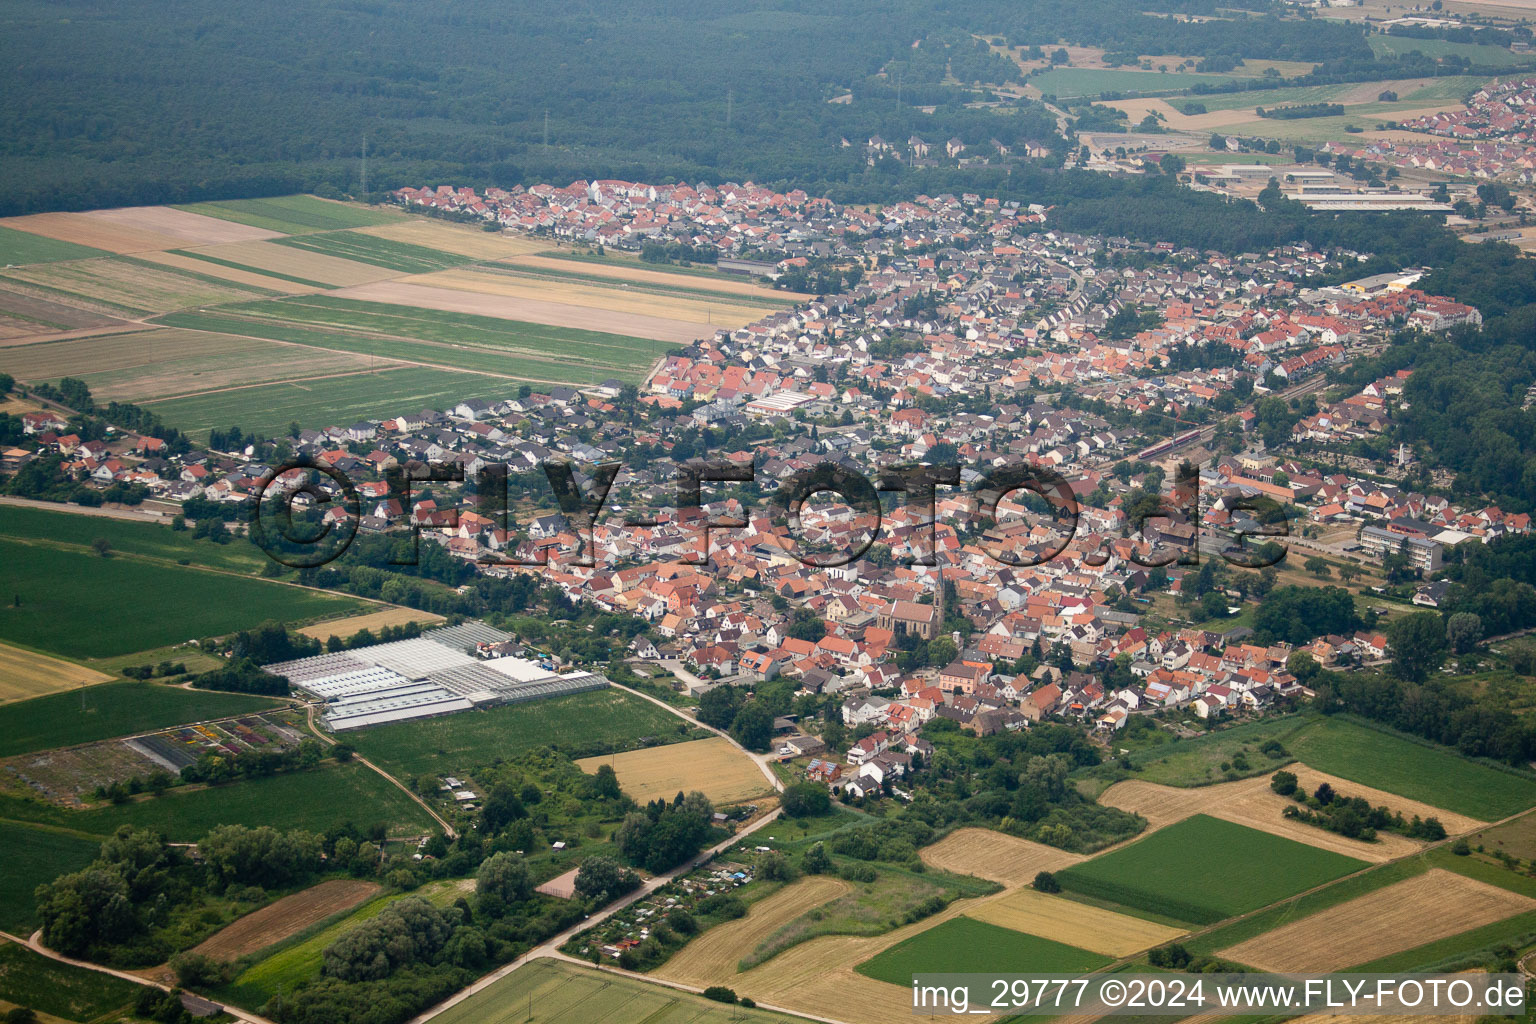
(114, 103)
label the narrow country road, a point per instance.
(761, 760)
(448, 830)
(132, 515)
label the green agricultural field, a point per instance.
(298, 960)
(47, 986)
(1419, 771)
(80, 605)
(1070, 83)
(21, 247)
(582, 724)
(962, 945)
(294, 214)
(268, 409)
(454, 341)
(1177, 871)
(405, 257)
(314, 800)
(551, 992)
(108, 710)
(122, 284)
(1160, 758)
(151, 540)
(34, 856)
(1384, 45)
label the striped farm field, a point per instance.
(460, 239)
(93, 232)
(291, 215)
(125, 284)
(1434, 905)
(711, 958)
(288, 916)
(1160, 873)
(1073, 923)
(268, 409)
(22, 247)
(402, 257)
(714, 766)
(270, 257)
(636, 273)
(147, 365)
(28, 674)
(995, 856)
(235, 275)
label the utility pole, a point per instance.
(365, 168)
(546, 129)
(730, 102)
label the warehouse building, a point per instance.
(435, 674)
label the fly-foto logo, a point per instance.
(581, 494)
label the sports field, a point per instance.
(109, 710)
(59, 990)
(552, 992)
(34, 856)
(964, 945)
(995, 856)
(711, 958)
(27, 674)
(582, 724)
(132, 604)
(292, 215)
(713, 766)
(1073, 923)
(1433, 775)
(1431, 906)
(286, 917)
(1183, 871)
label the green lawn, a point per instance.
(583, 724)
(1204, 869)
(81, 605)
(21, 247)
(964, 946)
(47, 986)
(112, 709)
(1434, 775)
(333, 794)
(268, 409)
(551, 992)
(34, 856)
(379, 252)
(293, 214)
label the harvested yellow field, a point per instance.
(712, 766)
(639, 273)
(730, 312)
(160, 363)
(534, 311)
(186, 227)
(24, 674)
(1422, 909)
(1076, 924)
(1001, 858)
(1251, 802)
(246, 277)
(460, 239)
(124, 284)
(391, 616)
(94, 232)
(818, 976)
(711, 958)
(311, 266)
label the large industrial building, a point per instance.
(438, 673)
